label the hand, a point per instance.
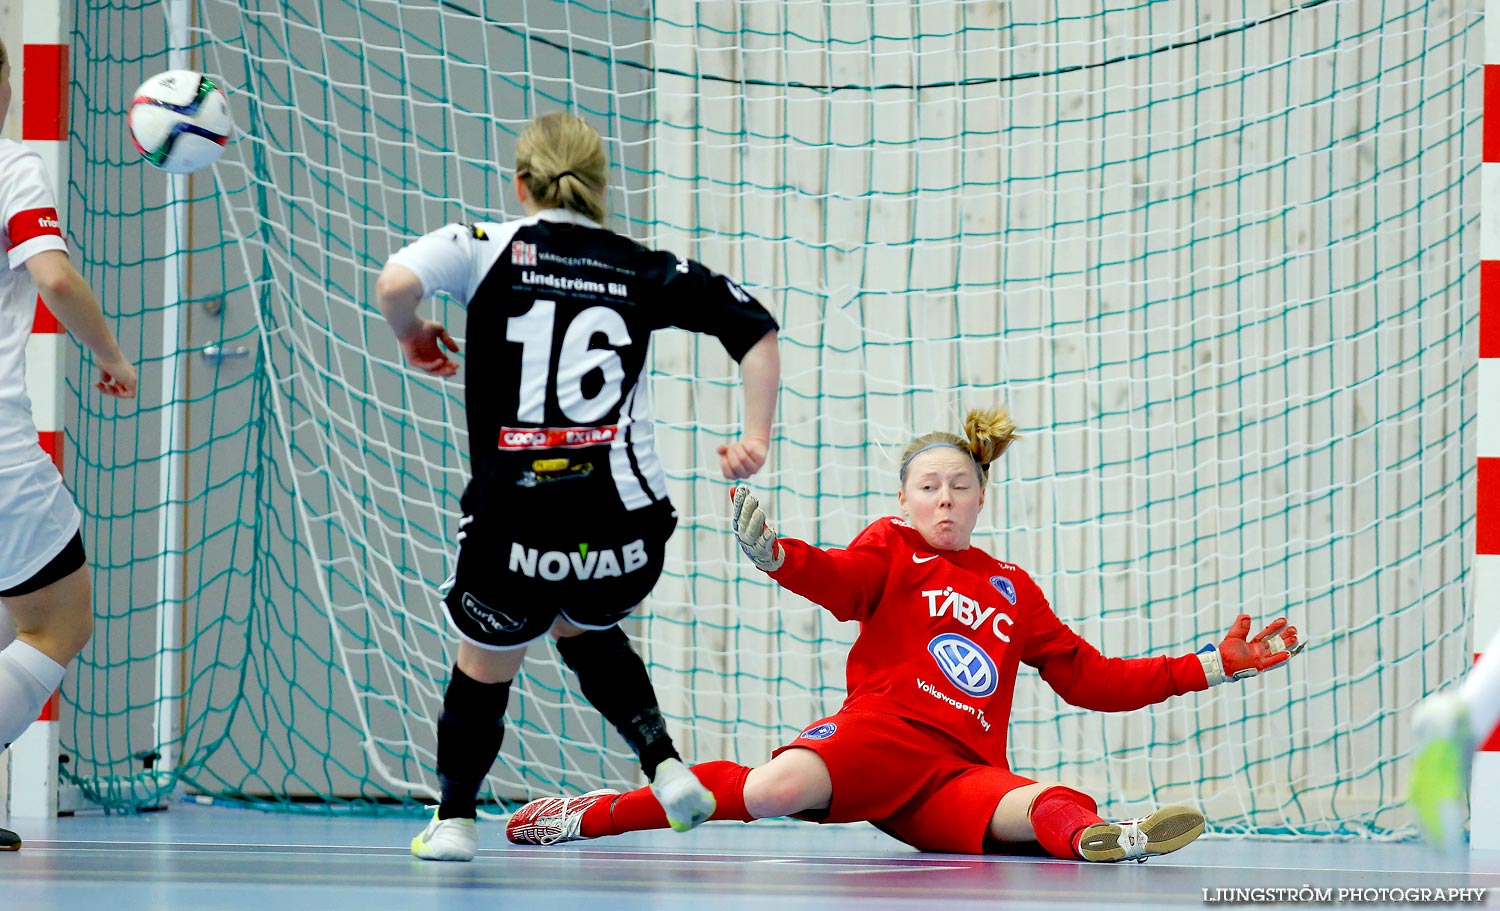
(1237, 657)
(757, 539)
(117, 378)
(743, 459)
(420, 345)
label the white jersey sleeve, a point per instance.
(28, 211)
(454, 259)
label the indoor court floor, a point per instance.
(226, 859)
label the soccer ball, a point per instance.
(180, 121)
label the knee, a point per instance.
(65, 644)
(81, 631)
(768, 795)
(62, 634)
(594, 647)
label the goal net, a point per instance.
(1219, 259)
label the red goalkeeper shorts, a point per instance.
(909, 780)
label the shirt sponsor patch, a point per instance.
(584, 563)
(515, 439)
(1005, 587)
(819, 732)
(488, 618)
(31, 223)
(546, 471)
(965, 664)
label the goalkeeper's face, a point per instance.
(942, 497)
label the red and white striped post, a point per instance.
(45, 32)
(1485, 797)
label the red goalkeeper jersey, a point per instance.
(942, 635)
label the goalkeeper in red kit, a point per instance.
(919, 747)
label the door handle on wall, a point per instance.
(216, 354)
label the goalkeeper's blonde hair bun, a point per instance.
(989, 432)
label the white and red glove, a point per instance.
(757, 539)
(1237, 657)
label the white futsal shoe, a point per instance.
(1162, 832)
(447, 839)
(552, 820)
(684, 798)
(1438, 790)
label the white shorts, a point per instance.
(37, 519)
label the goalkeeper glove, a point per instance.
(1237, 658)
(757, 539)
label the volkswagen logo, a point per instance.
(965, 664)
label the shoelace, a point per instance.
(1132, 839)
(558, 818)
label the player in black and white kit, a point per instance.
(566, 517)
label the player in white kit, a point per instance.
(46, 601)
(1448, 728)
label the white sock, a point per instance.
(27, 680)
(1481, 691)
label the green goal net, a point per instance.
(1219, 258)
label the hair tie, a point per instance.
(558, 178)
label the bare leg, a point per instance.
(794, 781)
(52, 625)
(57, 619)
(1012, 820)
(40, 633)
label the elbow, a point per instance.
(397, 296)
(387, 286)
(55, 284)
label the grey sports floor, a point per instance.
(205, 858)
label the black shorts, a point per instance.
(68, 561)
(514, 577)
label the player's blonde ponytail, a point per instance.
(990, 432)
(561, 160)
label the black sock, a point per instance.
(613, 679)
(469, 734)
